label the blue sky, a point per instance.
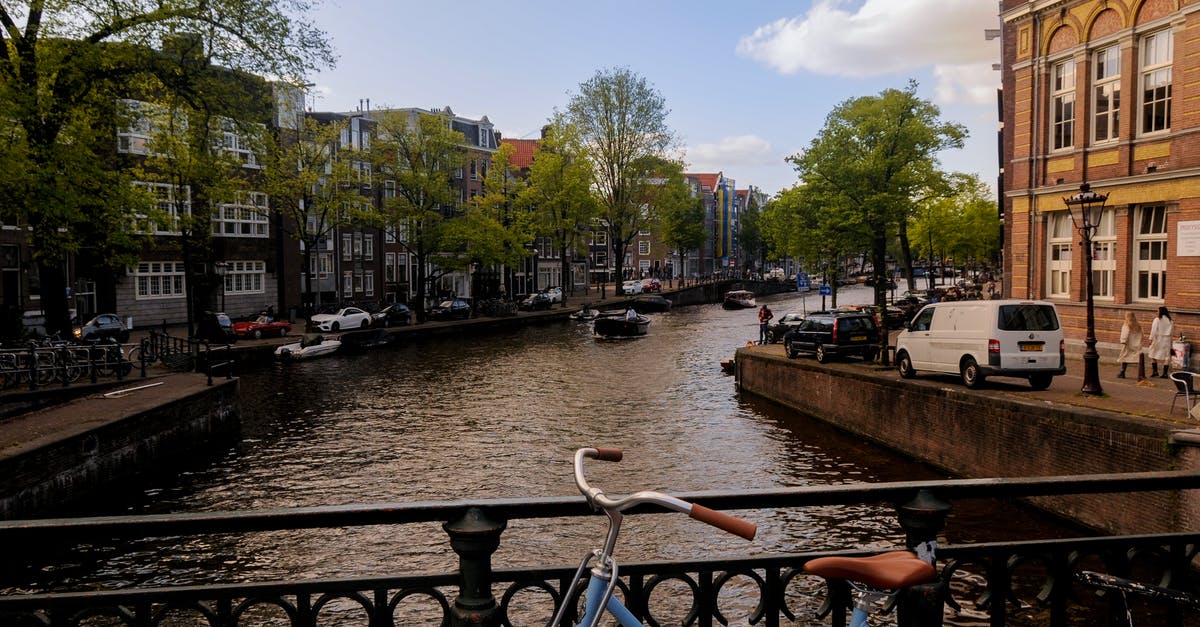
(747, 83)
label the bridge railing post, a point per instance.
(475, 537)
(922, 518)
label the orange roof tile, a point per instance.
(525, 149)
(706, 180)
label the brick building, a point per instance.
(1089, 96)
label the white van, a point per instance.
(981, 338)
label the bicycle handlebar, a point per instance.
(596, 497)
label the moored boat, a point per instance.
(738, 299)
(310, 346)
(650, 303)
(587, 313)
(619, 324)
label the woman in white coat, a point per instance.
(1160, 342)
(1131, 343)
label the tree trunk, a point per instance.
(906, 256)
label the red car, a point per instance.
(261, 326)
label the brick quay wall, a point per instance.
(984, 434)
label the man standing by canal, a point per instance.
(764, 320)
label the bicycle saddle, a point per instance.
(890, 571)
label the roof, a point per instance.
(706, 180)
(524, 151)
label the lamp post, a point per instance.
(1086, 208)
(221, 268)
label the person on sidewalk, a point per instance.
(1160, 342)
(1131, 343)
(764, 321)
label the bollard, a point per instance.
(922, 518)
(474, 537)
(1141, 366)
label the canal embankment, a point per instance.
(1003, 431)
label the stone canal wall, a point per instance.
(982, 434)
(72, 451)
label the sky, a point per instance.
(747, 84)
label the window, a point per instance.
(136, 138)
(389, 235)
(172, 200)
(245, 277)
(601, 259)
(369, 283)
(644, 266)
(599, 238)
(1062, 95)
(474, 172)
(1058, 269)
(347, 282)
(158, 280)
(368, 247)
(358, 281)
(643, 247)
(1156, 81)
(246, 216)
(235, 142)
(1150, 263)
(483, 137)
(347, 247)
(358, 245)
(389, 267)
(1107, 94)
(1104, 256)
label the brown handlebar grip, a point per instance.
(736, 526)
(608, 454)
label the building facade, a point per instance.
(1101, 92)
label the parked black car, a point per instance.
(103, 326)
(834, 334)
(395, 314)
(782, 325)
(215, 327)
(538, 301)
(453, 309)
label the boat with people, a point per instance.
(310, 345)
(738, 299)
(620, 324)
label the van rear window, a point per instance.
(1028, 318)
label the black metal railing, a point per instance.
(61, 364)
(186, 355)
(772, 585)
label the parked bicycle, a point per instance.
(603, 577)
(1124, 588)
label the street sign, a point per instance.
(802, 284)
(825, 290)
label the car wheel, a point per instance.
(787, 348)
(365, 324)
(1040, 381)
(969, 370)
(334, 327)
(822, 356)
(258, 334)
(904, 365)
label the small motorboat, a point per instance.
(619, 324)
(310, 346)
(587, 313)
(650, 303)
(357, 341)
(738, 299)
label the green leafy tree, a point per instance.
(313, 185)
(815, 227)
(496, 226)
(420, 152)
(964, 227)
(560, 194)
(63, 59)
(683, 226)
(873, 157)
(750, 238)
(622, 122)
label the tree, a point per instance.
(815, 227)
(62, 59)
(964, 227)
(313, 185)
(420, 152)
(496, 227)
(873, 157)
(559, 194)
(622, 122)
(750, 238)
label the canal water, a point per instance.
(499, 416)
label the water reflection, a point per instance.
(499, 416)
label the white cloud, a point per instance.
(886, 37)
(731, 152)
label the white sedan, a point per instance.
(631, 287)
(555, 294)
(344, 318)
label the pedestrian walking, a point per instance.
(764, 322)
(1160, 342)
(1131, 343)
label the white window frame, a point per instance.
(1062, 105)
(347, 247)
(159, 280)
(643, 247)
(1150, 253)
(358, 281)
(245, 277)
(234, 142)
(169, 203)
(389, 267)
(246, 216)
(347, 282)
(1155, 82)
(1106, 94)
(600, 238)
(1104, 256)
(368, 247)
(369, 282)
(1059, 254)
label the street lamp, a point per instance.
(1086, 208)
(221, 268)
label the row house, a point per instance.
(717, 254)
(1097, 91)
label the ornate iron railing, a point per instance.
(769, 588)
